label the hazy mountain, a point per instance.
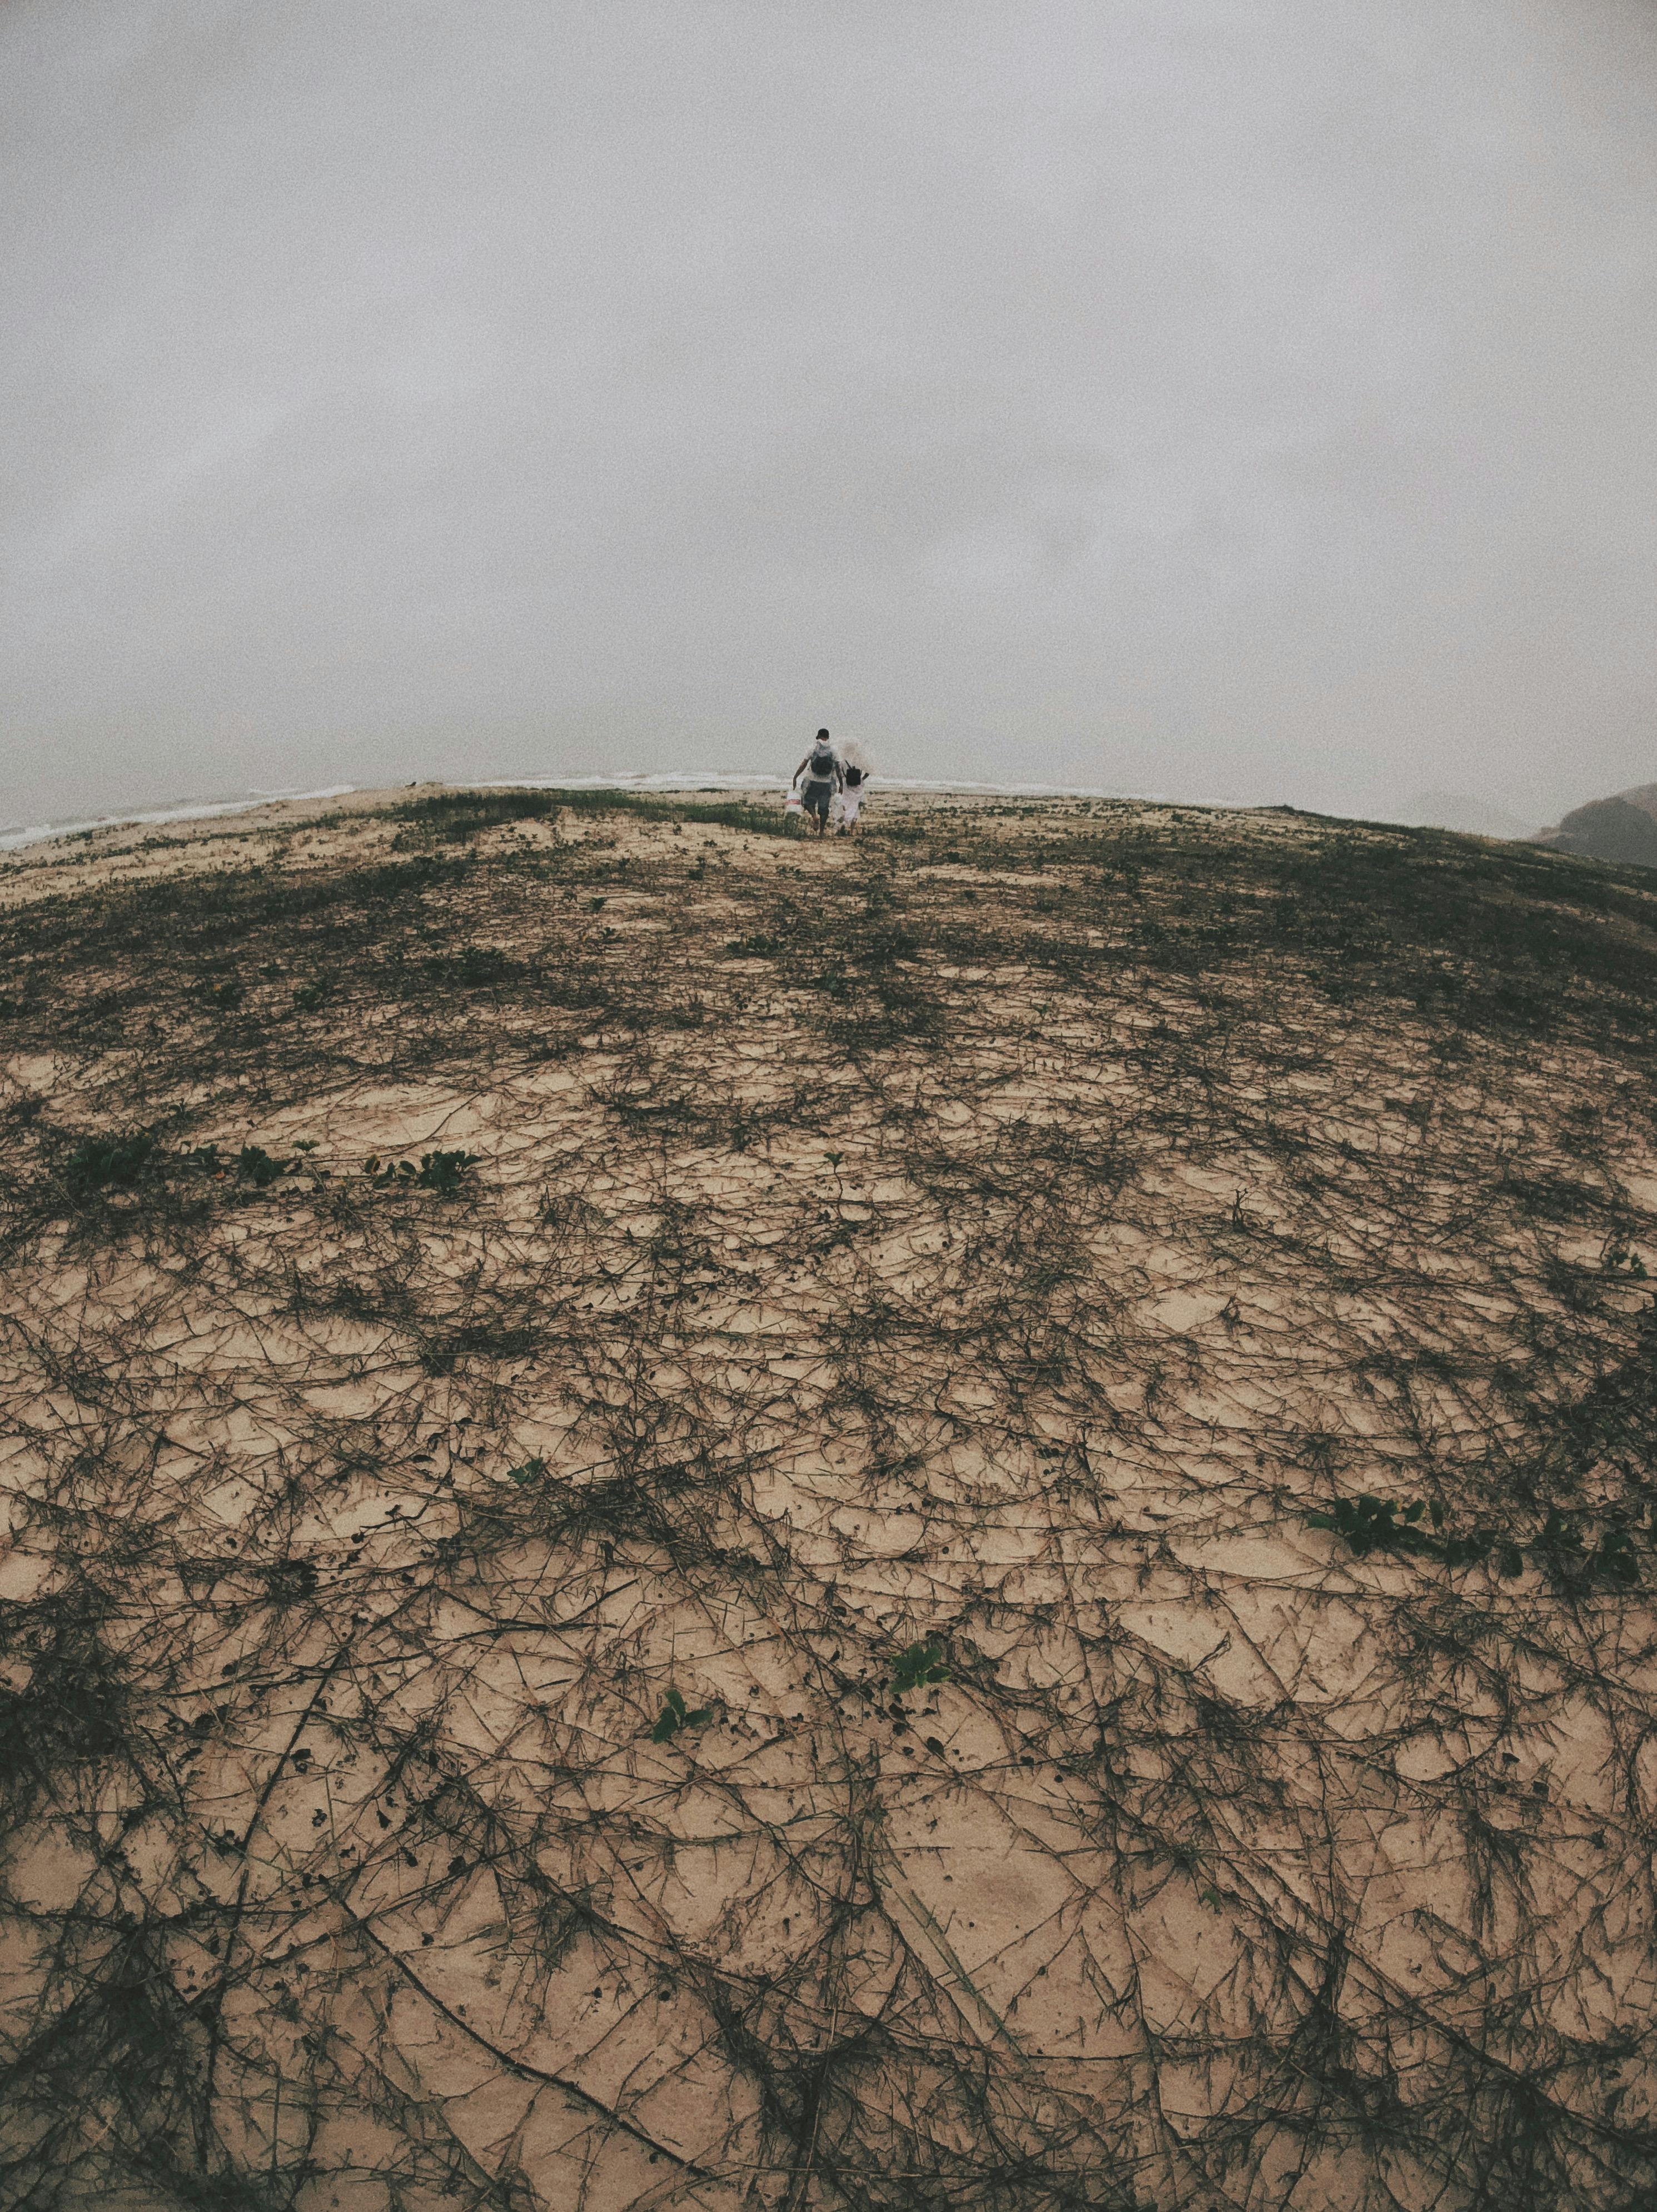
(1623, 829)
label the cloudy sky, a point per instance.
(1238, 399)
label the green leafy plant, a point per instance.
(259, 1168)
(1563, 1549)
(530, 1471)
(1619, 1258)
(1558, 1533)
(1616, 1557)
(675, 1716)
(289, 1581)
(1375, 1524)
(1378, 1524)
(918, 1668)
(483, 964)
(1465, 1551)
(442, 1172)
(1369, 1524)
(108, 1163)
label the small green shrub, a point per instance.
(483, 964)
(290, 1582)
(1375, 1524)
(675, 1716)
(1616, 1557)
(109, 1163)
(1620, 1258)
(442, 1172)
(1562, 1548)
(918, 1668)
(259, 1168)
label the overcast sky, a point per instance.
(1238, 399)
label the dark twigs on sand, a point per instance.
(959, 1524)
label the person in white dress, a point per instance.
(855, 768)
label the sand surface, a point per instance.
(1008, 1233)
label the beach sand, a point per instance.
(1008, 1239)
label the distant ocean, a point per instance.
(13, 835)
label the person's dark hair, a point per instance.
(822, 736)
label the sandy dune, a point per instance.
(1019, 1232)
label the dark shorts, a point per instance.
(816, 797)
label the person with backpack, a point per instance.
(818, 778)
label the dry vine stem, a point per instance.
(1011, 1231)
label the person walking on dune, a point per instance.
(818, 778)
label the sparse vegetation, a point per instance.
(927, 1339)
(114, 1162)
(442, 1171)
(459, 816)
(1378, 1524)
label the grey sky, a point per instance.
(1236, 398)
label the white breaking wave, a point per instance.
(15, 834)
